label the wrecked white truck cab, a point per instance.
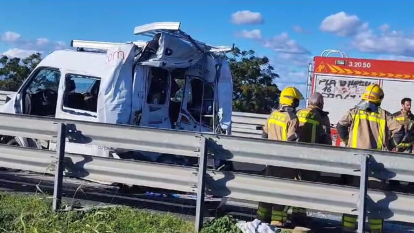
(171, 81)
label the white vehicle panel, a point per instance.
(394, 92)
(340, 93)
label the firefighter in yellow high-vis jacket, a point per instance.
(406, 118)
(367, 126)
(314, 127)
(281, 125)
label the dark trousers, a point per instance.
(268, 212)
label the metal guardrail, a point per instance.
(388, 205)
(322, 158)
(101, 169)
(313, 157)
(247, 124)
(3, 96)
(244, 124)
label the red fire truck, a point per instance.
(342, 80)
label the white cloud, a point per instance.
(283, 44)
(299, 60)
(246, 17)
(42, 41)
(15, 41)
(380, 40)
(300, 29)
(389, 42)
(342, 24)
(280, 43)
(20, 53)
(395, 58)
(9, 37)
(291, 75)
(384, 27)
(291, 60)
(253, 34)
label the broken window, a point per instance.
(177, 90)
(81, 92)
(159, 85)
(40, 95)
(200, 101)
(177, 95)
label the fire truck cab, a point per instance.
(342, 80)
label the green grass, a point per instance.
(32, 214)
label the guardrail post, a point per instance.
(363, 193)
(60, 156)
(201, 184)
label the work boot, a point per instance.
(345, 230)
(349, 223)
(376, 225)
(376, 231)
(348, 230)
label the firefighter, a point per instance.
(367, 126)
(314, 127)
(406, 118)
(282, 125)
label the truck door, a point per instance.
(197, 107)
(155, 110)
(38, 95)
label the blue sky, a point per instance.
(290, 33)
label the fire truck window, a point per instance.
(158, 89)
(81, 92)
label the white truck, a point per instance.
(171, 81)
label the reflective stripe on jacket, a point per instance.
(282, 125)
(406, 119)
(368, 130)
(311, 126)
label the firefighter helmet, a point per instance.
(290, 96)
(373, 93)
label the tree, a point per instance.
(253, 87)
(14, 71)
